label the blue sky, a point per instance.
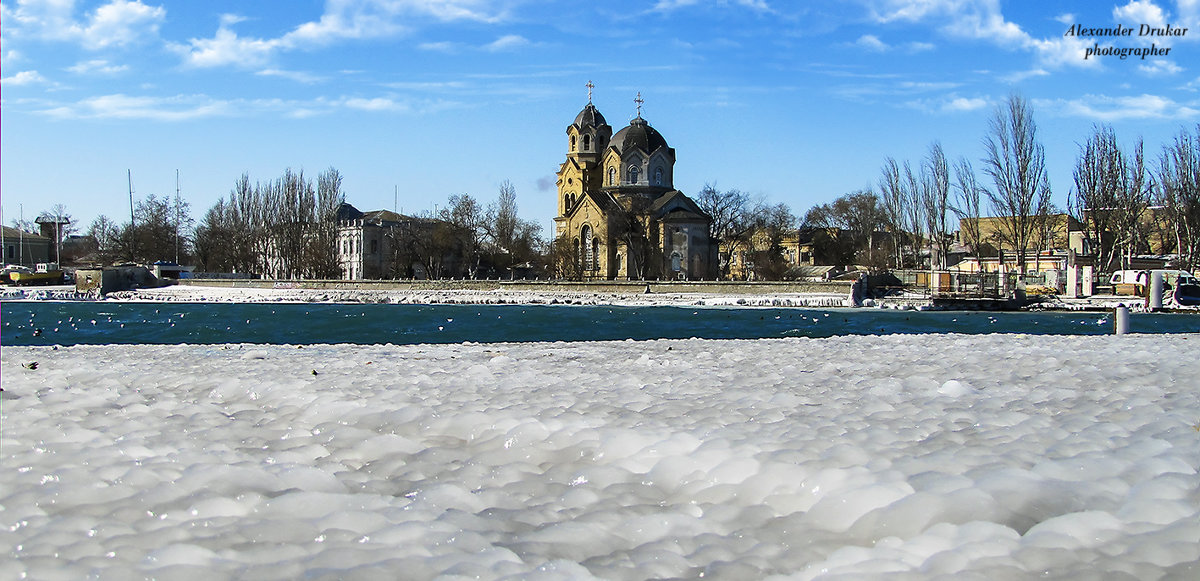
(413, 100)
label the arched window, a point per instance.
(572, 143)
(587, 142)
(588, 247)
(658, 175)
(612, 176)
(595, 253)
(633, 174)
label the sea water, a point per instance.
(73, 323)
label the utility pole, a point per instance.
(176, 216)
(132, 230)
(21, 237)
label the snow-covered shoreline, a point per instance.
(224, 294)
(848, 457)
(191, 293)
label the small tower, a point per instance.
(587, 138)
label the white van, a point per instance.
(1136, 282)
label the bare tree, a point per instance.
(771, 224)
(512, 239)
(893, 202)
(913, 190)
(152, 236)
(1178, 192)
(935, 204)
(731, 224)
(969, 208)
(1015, 160)
(1112, 192)
(107, 235)
(565, 259)
(856, 216)
(466, 215)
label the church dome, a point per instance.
(638, 135)
(589, 116)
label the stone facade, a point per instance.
(619, 213)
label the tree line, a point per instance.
(1126, 202)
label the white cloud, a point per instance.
(1189, 12)
(672, 5)
(446, 47)
(226, 48)
(122, 23)
(342, 20)
(178, 108)
(116, 23)
(507, 42)
(375, 104)
(872, 43)
(950, 103)
(1139, 12)
(1057, 52)
(1017, 77)
(181, 108)
(984, 20)
(965, 104)
(97, 67)
(1160, 67)
(298, 76)
(24, 78)
(1066, 18)
(1105, 108)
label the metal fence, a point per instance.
(980, 285)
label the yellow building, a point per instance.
(618, 210)
(1060, 232)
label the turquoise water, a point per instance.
(75, 323)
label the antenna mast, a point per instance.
(132, 222)
(176, 216)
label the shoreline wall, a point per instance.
(611, 286)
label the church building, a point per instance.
(618, 211)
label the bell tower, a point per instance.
(587, 138)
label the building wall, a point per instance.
(26, 249)
(991, 234)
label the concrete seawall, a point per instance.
(616, 287)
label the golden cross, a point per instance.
(589, 85)
(639, 102)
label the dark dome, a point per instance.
(640, 135)
(589, 116)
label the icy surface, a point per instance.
(910, 457)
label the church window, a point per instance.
(633, 174)
(589, 255)
(658, 175)
(612, 176)
(595, 253)
(676, 262)
(572, 143)
(587, 142)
